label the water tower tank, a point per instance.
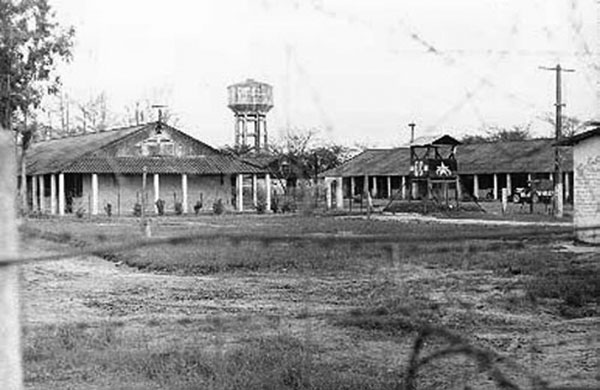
(250, 101)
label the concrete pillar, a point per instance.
(156, 191)
(389, 187)
(352, 187)
(255, 190)
(403, 187)
(34, 193)
(94, 210)
(61, 194)
(495, 186)
(41, 190)
(328, 189)
(509, 183)
(268, 192)
(339, 194)
(476, 186)
(239, 187)
(375, 192)
(53, 194)
(567, 186)
(184, 192)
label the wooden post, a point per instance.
(328, 185)
(495, 197)
(34, 193)
(476, 187)
(11, 375)
(504, 200)
(389, 187)
(403, 187)
(509, 183)
(255, 190)
(240, 188)
(339, 194)
(146, 230)
(156, 191)
(375, 190)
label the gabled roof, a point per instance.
(581, 137)
(438, 139)
(84, 154)
(534, 156)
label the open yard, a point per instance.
(242, 307)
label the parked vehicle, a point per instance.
(535, 192)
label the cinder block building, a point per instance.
(94, 171)
(586, 164)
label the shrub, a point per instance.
(178, 208)
(218, 207)
(137, 210)
(160, 206)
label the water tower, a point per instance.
(250, 101)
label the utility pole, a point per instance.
(412, 132)
(558, 180)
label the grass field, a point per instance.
(331, 311)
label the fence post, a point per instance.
(11, 376)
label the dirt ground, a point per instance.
(220, 311)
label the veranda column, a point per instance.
(268, 191)
(509, 183)
(156, 191)
(61, 194)
(374, 194)
(529, 177)
(366, 186)
(389, 187)
(495, 186)
(352, 187)
(34, 193)
(53, 194)
(403, 187)
(184, 192)
(328, 189)
(476, 186)
(255, 189)
(94, 194)
(458, 188)
(240, 192)
(567, 186)
(339, 194)
(41, 190)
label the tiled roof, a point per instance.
(534, 156)
(204, 165)
(54, 155)
(78, 154)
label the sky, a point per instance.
(358, 71)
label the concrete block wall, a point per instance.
(586, 162)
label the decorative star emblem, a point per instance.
(443, 170)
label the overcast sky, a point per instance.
(360, 70)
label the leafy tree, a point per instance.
(570, 125)
(500, 134)
(31, 45)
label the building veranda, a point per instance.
(103, 172)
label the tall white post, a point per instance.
(509, 183)
(61, 194)
(339, 194)
(403, 187)
(53, 194)
(34, 193)
(352, 187)
(156, 191)
(374, 186)
(94, 210)
(268, 192)
(41, 192)
(240, 192)
(458, 188)
(567, 186)
(184, 192)
(529, 177)
(328, 189)
(255, 189)
(495, 186)
(476, 186)
(11, 374)
(389, 187)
